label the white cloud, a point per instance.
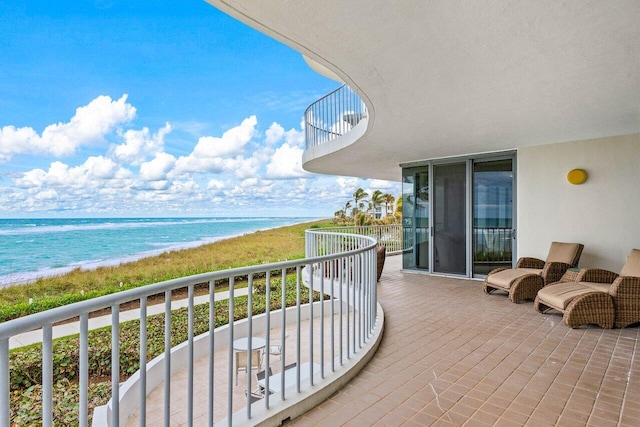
(243, 171)
(286, 163)
(210, 152)
(295, 138)
(274, 134)
(140, 144)
(158, 168)
(214, 184)
(89, 125)
(94, 173)
(378, 184)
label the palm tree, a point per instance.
(388, 201)
(358, 197)
(376, 200)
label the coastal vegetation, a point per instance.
(364, 209)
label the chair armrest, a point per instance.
(553, 271)
(596, 275)
(626, 286)
(526, 262)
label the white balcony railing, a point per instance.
(332, 116)
(340, 266)
(389, 235)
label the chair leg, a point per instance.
(540, 306)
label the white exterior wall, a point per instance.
(603, 213)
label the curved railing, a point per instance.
(333, 115)
(339, 266)
(389, 235)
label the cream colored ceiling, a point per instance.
(444, 78)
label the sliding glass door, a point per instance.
(458, 215)
(450, 218)
(415, 220)
(493, 232)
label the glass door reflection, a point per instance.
(492, 215)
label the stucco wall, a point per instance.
(603, 213)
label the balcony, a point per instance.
(333, 122)
(451, 355)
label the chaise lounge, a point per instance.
(597, 296)
(531, 274)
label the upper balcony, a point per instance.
(332, 123)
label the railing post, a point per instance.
(4, 383)
(190, 356)
(212, 325)
(83, 368)
(115, 365)
(167, 358)
(143, 361)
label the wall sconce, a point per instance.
(577, 176)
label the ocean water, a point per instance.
(32, 248)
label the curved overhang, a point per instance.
(321, 69)
(442, 78)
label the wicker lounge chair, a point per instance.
(531, 274)
(597, 296)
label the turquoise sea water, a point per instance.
(31, 248)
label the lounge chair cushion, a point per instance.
(602, 287)
(632, 266)
(505, 278)
(559, 296)
(563, 252)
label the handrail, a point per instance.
(351, 283)
(389, 235)
(333, 115)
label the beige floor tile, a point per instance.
(452, 355)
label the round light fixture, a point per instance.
(577, 176)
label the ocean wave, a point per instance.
(116, 225)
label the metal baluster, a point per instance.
(143, 361)
(167, 358)
(322, 272)
(190, 365)
(250, 343)
(268, 327)
(298, 332)
(47, 375)
(4, 382)
(115, 365)
(283, 331)
(310, 269)
(83, 404)
(212, 326)
(231, 362)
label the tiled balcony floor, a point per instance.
(452, 355)
(179, 380)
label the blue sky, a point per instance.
(164, 108)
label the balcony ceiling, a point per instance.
(444, 78)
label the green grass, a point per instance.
(278, 244)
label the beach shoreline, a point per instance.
(23, 278)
